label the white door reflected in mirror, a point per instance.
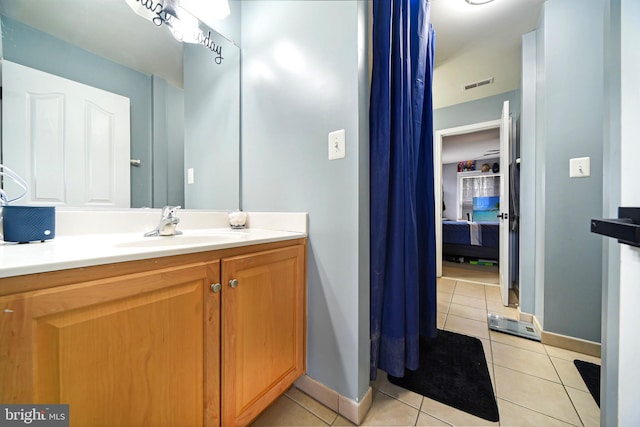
(70, 141)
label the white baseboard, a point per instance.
(351, 410)
(563, 341)
(570, 343)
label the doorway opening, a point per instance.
(471, 166)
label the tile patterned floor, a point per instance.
(535, 384)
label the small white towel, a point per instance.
(474, 234)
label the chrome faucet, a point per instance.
(168, 222)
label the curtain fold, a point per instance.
(403, 275)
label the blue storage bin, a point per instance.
(24, 224)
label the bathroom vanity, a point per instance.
(201, 331)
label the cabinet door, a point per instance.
(124, 351)
(263, 330)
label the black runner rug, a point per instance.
(590, 373)
(453, 371)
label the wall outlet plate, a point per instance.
(580, 167)
(337, 145)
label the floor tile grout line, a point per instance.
(411, 406)
(564, 386)
(574, 405)
(493, 370)
(538, 412)
(575, 408)
(516, 347)
(310, 411)
(432, 415)
(577, 389)
(472, 306)
(557, 372)
(469, 296)
(475, 282)
(415, 422)
(400, 400)
(559, 382)
(534, 376)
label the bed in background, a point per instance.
(470, 239)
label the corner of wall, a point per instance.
(364, 85)
(354, 411)
(562, 341)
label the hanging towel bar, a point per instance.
(625, 228)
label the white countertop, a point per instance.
(83, 249)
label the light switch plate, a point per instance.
(580, 167)
(337, 145)
(190, 177)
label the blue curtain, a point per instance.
(403, 272)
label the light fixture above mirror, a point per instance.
(478, 2)
(180, 16)
(211, 9)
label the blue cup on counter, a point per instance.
(25, 224)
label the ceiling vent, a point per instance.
(478, 84)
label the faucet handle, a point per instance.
(170, 211)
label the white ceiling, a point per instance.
(471, 146)
(472, 43)
(104, 27)
(478, 42)
(111, 29)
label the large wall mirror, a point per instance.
(183, 102)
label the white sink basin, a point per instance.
(188, 238)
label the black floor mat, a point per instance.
(453, 371)
(590, 373)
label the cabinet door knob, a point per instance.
(216, 287)
(233, 283)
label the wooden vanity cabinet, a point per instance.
(122, 351)
(155, 345)
(263, 330)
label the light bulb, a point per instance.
(478, 2)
